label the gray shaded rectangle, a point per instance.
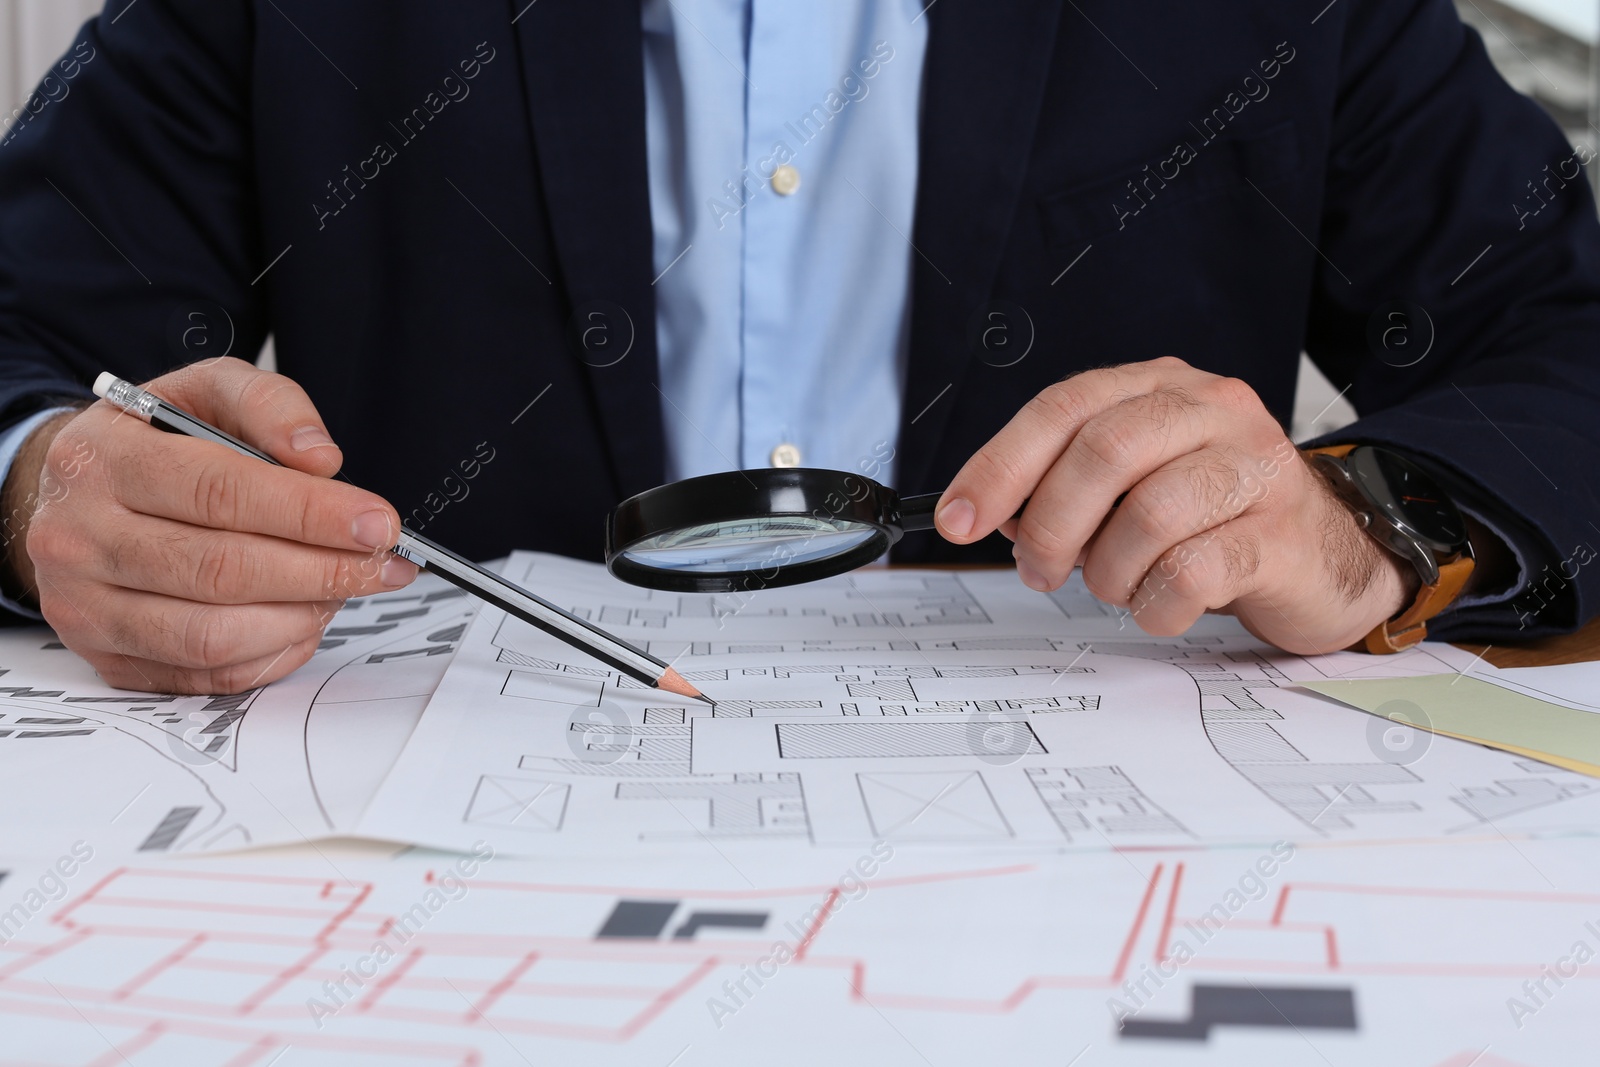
(745, 709)
(397, 616)
(883, 689)
(221, 723)
(1252, 1005)
(168, 830)
(359, 631)
(1328, 774)
(229, 701)
(736, 920)
(1252, 742)
(746, 805)
(638, 918)
(1005, 644)
(424, 651)
(1235, 691)
(867, 740)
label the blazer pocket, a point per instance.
(1217, 167)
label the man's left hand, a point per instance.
(1220, 514)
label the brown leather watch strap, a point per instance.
(1336, 451)
(1411, 625)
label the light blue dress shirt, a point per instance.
(782, 145)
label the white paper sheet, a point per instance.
(846, 714)
(1575, 685)
(1430, 955)
(153, 773)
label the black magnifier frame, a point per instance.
(803, 494)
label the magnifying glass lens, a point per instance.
(756, 529)
(752, 544)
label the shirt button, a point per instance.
(785, 180)
(786, 455)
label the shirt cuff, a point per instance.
(10, 444)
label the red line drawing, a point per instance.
(1121, 968)
(1172, 906)
(234, 958)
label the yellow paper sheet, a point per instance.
(1475, 710)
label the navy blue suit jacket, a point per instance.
(438, 188)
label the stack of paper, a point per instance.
(1484, 710)
(934, 817)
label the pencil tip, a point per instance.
(673, 682)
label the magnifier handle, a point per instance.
(916, 512)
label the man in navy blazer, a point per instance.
(1307, 176)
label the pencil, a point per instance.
(485, 585)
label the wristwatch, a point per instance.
(1404, 509)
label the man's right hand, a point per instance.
(173, 564)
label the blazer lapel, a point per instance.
(583, 73)
(584, 79)
(983, 80)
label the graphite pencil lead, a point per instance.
(673, 682)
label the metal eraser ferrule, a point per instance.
(131, 398)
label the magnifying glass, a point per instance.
(757, 529)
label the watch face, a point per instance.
(1404, 492)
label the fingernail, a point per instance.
(397, 572)
(1030, 577)
(372, 529)
(957, 517)
(308, 437)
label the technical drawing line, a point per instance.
(1121, 968)
(381, 1050)
(1172, 906)
(341, 922)
(755, 894)
(816, 924)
